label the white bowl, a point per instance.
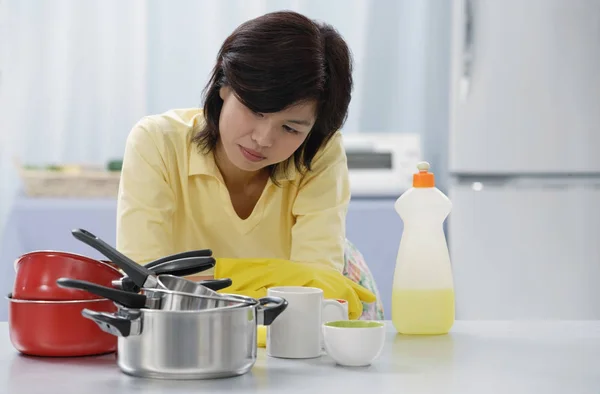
(354, 343)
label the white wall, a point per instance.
(76, 74)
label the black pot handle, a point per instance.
(126, 284)
(138, 273)
(270, 313)
(216, 284)
(183, 267)
(119, 326)
(177, 256)
(125, 298)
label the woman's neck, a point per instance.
(235, 178)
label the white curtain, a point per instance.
(75, 75)
(73, 82)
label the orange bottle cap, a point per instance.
(423, 178)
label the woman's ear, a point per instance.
(224, 92)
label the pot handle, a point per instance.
(270, 313)
(125, 284)
(125, 298)
(119, 326)
(216, 284)
(185, 266)
(140, 275)
(177, 256)
(181, 267)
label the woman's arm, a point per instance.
(146, 201)
(319, 234)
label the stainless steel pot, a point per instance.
(205, 344)
(159, 298)
(175, 283)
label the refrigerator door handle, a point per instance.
(467, 55)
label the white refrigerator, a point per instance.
(524, 159)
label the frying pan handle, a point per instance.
(138, 273)
(182, 267)
(125, 298)
(119, 326)
(269, 313)
(216, 284)
(177, 256)
(126, 284)
(185, 266)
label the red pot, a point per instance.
(57, 328)
(37, 272)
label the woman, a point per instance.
(260, 171)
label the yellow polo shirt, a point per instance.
(172, 198)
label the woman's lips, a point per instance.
(251, 155)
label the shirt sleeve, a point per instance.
(146, 202)
(319, 233)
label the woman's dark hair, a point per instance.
(277, 60)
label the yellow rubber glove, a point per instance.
(252, 278)
(261, 336)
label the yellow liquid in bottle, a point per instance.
(423, 311)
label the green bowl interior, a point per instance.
(354, 324)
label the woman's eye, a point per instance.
(289, 129)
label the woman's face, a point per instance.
(253, 141)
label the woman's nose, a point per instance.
(263, 135)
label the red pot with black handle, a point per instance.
(57, 328)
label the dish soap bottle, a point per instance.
(423, 289)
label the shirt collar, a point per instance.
(288, 175)
(201, 163)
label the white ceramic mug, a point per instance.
(333, 312)
(297, 333)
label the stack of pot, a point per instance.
(171, 327)
(45, 319)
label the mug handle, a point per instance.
(342, 311)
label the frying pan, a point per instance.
(140, 275)
(36, 272)
(159, 298)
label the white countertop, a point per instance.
(476, 357)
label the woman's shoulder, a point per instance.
(330, 158)
(331, 153)
(169, 129)
(333, 150)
